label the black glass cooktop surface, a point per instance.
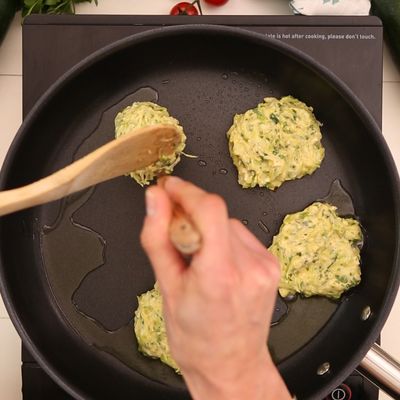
(351, 47)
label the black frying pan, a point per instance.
(71, 270)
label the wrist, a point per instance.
(258, 380)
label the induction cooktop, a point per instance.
(351, 47)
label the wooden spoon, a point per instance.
(182, 231)
(129, 152)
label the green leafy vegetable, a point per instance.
(389, 12)
(51, 6)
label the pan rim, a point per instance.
(253, 37)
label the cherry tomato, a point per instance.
(184, 8)
(216, 2)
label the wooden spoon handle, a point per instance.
(183, 233)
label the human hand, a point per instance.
(217, 309)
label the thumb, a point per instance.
(167, 263)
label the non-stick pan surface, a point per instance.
(71, 270)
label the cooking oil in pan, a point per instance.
(72, 253)
(339, 197)
(311, 314)
(78, 259)
(76, 256)
(105, 129)
(66, 274)
(262, 225)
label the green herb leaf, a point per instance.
(274, 118)
(51, 2)
(51, 6)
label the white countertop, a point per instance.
(11, 117)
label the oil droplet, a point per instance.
(280, 311)
(224, 76)
(165, 81)
(265, 213)
(202, 163)
(291, 297)
(223, 171)
(261, 194)
(339, 197)
(263, 227)
(198, 138)
(366, 313)
(245, 222)
(233, 80)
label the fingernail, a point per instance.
(151, 205)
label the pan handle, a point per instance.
(382, 370)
